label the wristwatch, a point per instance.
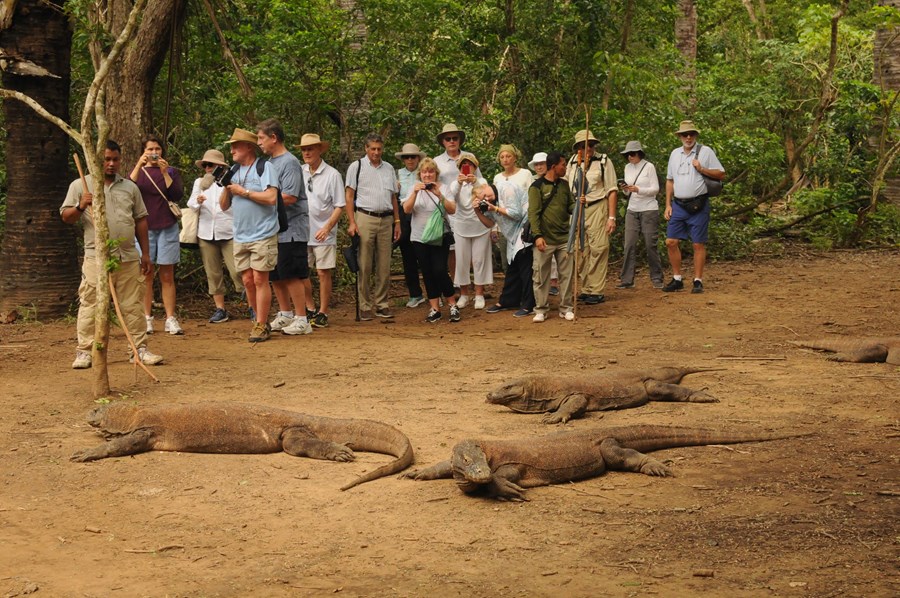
(79, 208)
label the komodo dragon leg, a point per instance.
(503, 484)
(138, 441)
(573, 405)
(618, 458)
(438, 471)
(300, 442)
(663, 391)
(872, 354)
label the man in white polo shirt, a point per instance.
(371, 196)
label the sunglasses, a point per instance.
(408, 157)
(688, 134)
(633, 154)
(451, 138)
(309, 184)
(206, 164)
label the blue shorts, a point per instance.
(686, 226)
(165, 249)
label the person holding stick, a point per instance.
(127, 218)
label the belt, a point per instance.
(375, 214)
(596, 201)
(703, 196)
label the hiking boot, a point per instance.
(454, 313)
(523, 312)
(657, 284)
(674, 285)
(320, 321)
(149, 324)
(479, 301)
(698, 286)
(494, 309)
(219, 316)
(384, 313)
(594, 299)
(433, 316)
(625, 285)
(261, 332)
(583, 297)
(82, 360)
(146, 357)
(311, 313)
(365, 316)
(415, 302)
(172, 326)
(297, 327)
(462, 301)
(281, 322)
(538, 318)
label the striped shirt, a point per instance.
(376, 185)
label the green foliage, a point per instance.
(113, 263)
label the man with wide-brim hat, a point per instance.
(688, 170)
(451, 138)
(253, 193)
(641, 186)
(408, 175)
(325, 194)
(599, 191)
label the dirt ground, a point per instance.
(813, 516)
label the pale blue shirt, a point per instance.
(687, 180)
(408, 179)
(253, 221)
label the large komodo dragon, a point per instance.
(504, 468)
(243, 428)
(858, 350)
(563, 398)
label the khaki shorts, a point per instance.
(322, 257)
(257, 255)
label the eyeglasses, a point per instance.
(451, 138)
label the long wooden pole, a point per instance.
(583, 204)
(112, 290)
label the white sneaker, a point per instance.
(147, 358)
(415, 302)
(479, 301)
(82, 360)
(569, 316)
(281, 322)
(462, 301)
(172, 326)
(538, 318)
(298, 326)
(149, 324)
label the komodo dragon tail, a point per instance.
(369, 436)
(654, 438)
(842, 344)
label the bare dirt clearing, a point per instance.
(811, 516)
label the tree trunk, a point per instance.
(130, 103)
(686, 42)
(887, 76)
(38, 260)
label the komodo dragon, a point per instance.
(242, 428)
(504, 468)
(565, 397)
(858, 350)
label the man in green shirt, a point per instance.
(550, 205)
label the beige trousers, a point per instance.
(375, 238)
(541, 278)
(129, 284)
(213, 254)
(594, 259)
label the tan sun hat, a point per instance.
(451, 128)
(687, 126)
(242, 135)
(309, 139)
(410, 149)
(466, 156)
(580, 137)
(211, 156)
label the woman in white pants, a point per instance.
(472, 239)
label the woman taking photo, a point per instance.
(425, 197)
(642, 217)
(473, 241)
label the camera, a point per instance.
(484, 206)
(154, 157)
(429, 186)
(223, 175)
(621, 182)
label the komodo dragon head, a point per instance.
(519, 395)
(470, 466)
(110, 420)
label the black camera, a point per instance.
(223, 175)
(429, 186)
(485, 206)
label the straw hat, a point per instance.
(451, 128)
(309, 139)
(580, 137)
(687, 126)
(409, 149)
(242, 135)
(466, 156)
(633, 146)
(538, 157)
(211, 157)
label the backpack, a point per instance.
(713, 186)
(279, 202)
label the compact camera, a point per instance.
(223, 175)
(154, 157)
(429, 186)
(485, 206)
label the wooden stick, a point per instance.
(752, 358)
(84, 186)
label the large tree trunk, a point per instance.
(686, 42)
(129, 105)
(38, 261)
(887, 75)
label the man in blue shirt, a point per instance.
(689, 167)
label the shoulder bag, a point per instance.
(173, 207)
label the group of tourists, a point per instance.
(268, 219)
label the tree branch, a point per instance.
(36, 106)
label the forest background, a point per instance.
(799, 99)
